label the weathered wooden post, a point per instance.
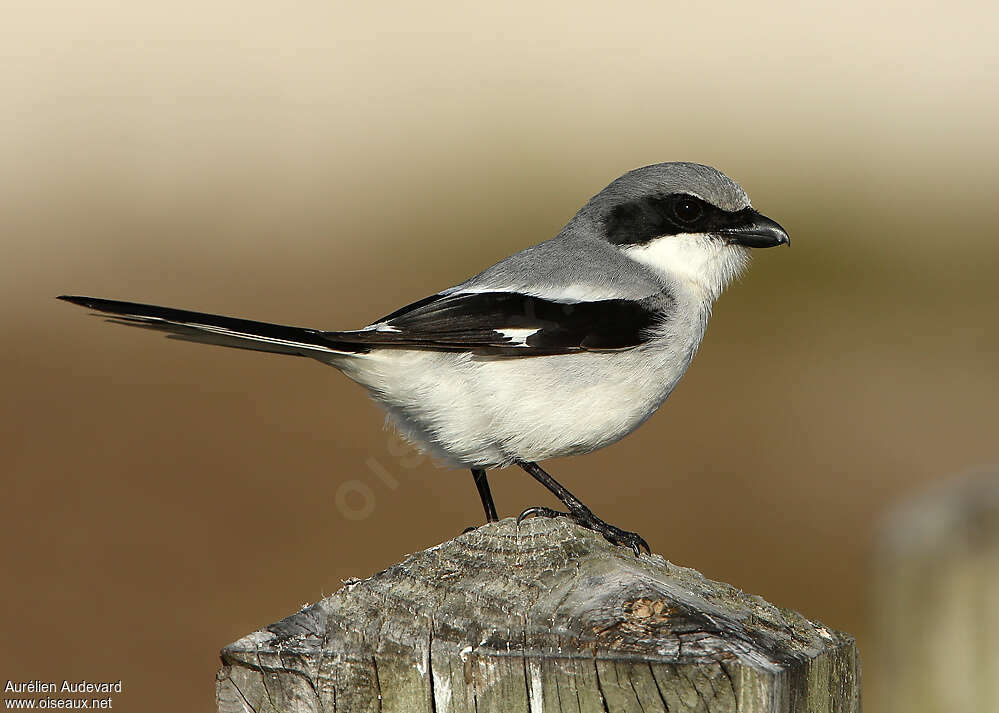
(545, 616)
(936, 603)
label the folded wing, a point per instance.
(512, 324)
(483, 323)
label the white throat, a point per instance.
(697, 261)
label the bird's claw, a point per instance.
(540, 512)
(624, 538)
(585, 518)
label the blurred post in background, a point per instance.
(936, 600)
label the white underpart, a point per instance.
(698, 261)
(472, 411)
(519, 336)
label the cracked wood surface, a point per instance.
(544, 616)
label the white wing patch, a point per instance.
(519, 336)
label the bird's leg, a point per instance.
(579, 513)
(479, 474)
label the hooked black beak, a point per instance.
(756, 231)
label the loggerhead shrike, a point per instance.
(557, 350)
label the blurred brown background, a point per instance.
(322, 163)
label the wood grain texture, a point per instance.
(544, 616)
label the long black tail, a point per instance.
(219, 330)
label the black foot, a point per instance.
(585, 518)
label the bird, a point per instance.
(560, 349)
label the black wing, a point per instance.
(510, 324)
(488, 323)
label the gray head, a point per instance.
(663, 179)
(683, 224)
(689, 223)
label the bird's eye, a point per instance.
(688, 209)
